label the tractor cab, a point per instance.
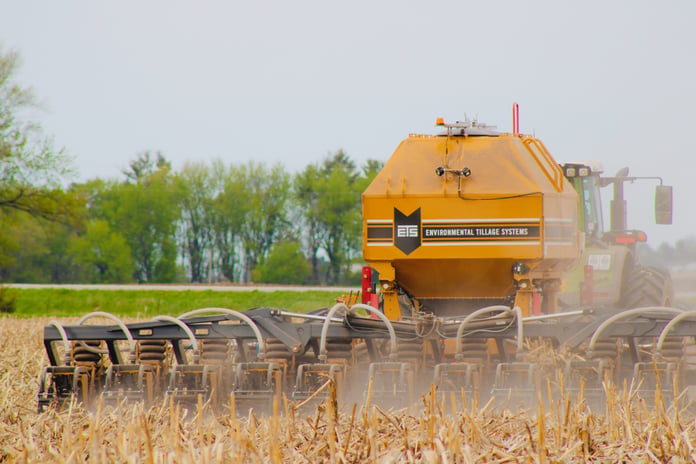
(608, 267)
(585, 179)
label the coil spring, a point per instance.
(410, 350)
(214, 351)
(673, 349)
(605, 348)
(152, 351)
(474, 350)
(338, 348)
(276, 350)
(83, 355)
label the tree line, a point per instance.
(207, 222)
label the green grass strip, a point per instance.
(150, 303)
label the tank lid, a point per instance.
(467, 128)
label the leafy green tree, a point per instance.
(36, 212)
(103, 254)
(145, 165)
(306, 191)
(230, 208)
(328, 194)
(370, 170)
(24, 250)
(144, 210)
(196, 193)
(339, 212)
(35, 250)
(31, 169)
(166, 270)
(60, 262)
(266, 192)
(285, 264)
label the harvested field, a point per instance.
(560, 430)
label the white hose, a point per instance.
(323, 353)
(66, 343)
(185, 328)
(670, 325)
(118, 322)
(232, 312)
(325, 328)
(477, 313)
(624, 314)
(392, 333)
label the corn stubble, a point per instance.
(440, 429)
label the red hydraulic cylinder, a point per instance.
(369, 297)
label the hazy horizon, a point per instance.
(291, 82)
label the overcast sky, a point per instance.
(292, 81)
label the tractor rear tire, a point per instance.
(647, 286)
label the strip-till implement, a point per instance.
(270, 354)
(479, 245)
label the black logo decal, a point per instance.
(407, 230)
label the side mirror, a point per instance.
(663, 204)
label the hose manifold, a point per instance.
(441, 171)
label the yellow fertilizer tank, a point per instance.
(467, 219)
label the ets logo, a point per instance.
(407, 230)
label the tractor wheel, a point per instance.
(647, 286)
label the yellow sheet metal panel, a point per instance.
(448, 235)
(411, 169)
(446, 228)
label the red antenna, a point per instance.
(515, 119)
